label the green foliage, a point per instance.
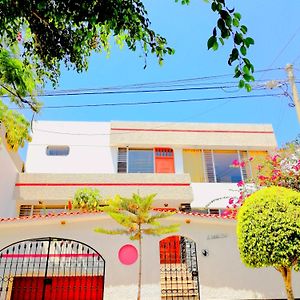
(18, 80)
(47, 33)
(229, 27)
(269, 229)
(17, 127)
(19, 83)
(37, 36)
(69, 31)
(88, 199)
(136, 216)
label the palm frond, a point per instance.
(162, 215)
(160, 230)
(111, 232)
(123, 219)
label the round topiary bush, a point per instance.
(268, 231)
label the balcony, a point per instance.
(171, 189)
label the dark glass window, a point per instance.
(55, 150)
(140, 161)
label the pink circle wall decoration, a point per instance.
(128, 254)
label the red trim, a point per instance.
(50, 255)
(192, 130)
(98, 184)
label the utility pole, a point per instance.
(290, 73)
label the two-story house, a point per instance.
(51, 252)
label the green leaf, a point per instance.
(238, 39)
(215, 31)
(248, 87)
(245, 69)
(215, 46)
(235, 22)
(244, 29)
(243, 50)
(237, 16)
(214, 6)
(211, 42)
(237, 74)
(234, 54)
(249, 41)
(221, 24)
(241, 83)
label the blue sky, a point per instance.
(275, 27)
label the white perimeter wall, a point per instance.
(89, 148)
(8, 176)
(221, 273)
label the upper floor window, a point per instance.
(216, 165)
(57, 150)
(223, 170)
(140, 161)
(158, 160)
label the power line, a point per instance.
(155, 102)
(284, 48)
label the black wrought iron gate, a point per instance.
(178, 269)
(51, 269)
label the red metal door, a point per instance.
(58, 288)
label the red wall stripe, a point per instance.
(98, 184)
(192, 130)
(50, 255)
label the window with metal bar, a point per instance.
(216, 165)
(33, 210)
(158, 160)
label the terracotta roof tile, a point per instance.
(76, 213)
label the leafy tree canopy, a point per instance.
(37, 36)
(88, 198)
(268, 231)
(69, 31)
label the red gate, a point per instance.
(51, 268)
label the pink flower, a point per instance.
(19, 36)
(235, 163)
(230, 201)
(242, 164)
(240, 183)
(250, 158)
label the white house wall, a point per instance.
(90, 151)
(221, 273)
(8, 176)
(10, 166)
(213, 195)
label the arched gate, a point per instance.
(51, 268)
(178, 269)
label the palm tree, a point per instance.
(136, 216)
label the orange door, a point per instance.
(164, 160)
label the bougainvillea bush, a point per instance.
(281, 168)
